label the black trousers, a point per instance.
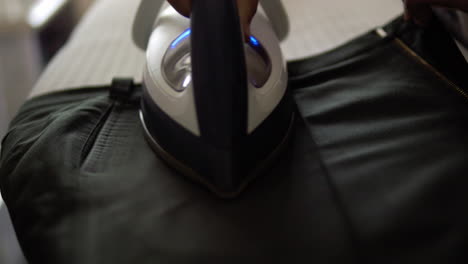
(376, 170)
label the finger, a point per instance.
(247, 10)
(182, 6)
(418, 11)
(457, 4)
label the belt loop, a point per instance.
(121, 89)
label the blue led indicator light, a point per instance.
(188, 31)
(181, 38)
(254, 41)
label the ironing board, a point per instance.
(101, 46)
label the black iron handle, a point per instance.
(219, 71)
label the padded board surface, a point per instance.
(101, 47)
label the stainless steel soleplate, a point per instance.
(180, 167)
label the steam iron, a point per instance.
(215, 106)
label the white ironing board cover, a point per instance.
(101, 46)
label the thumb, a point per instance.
(247, 10)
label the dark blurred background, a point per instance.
(31, 32)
